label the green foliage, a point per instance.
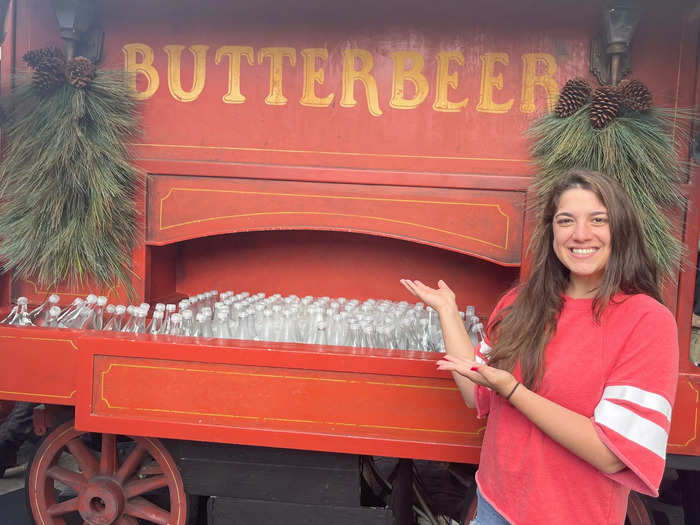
(67, 184)
(637, 150)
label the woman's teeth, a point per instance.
(583, 251)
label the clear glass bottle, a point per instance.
(175, 324)
(40, 313)
(98, 317)
(219, 326)
(22, 318)
(156, 323)
(138, 326)
(320, 334)
(188, 323)
(169, 311)
(129, 318)
(108, 315)
(242, 329)
(70, 310)
(51, 320)
(117, 320)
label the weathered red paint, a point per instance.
(391, 195)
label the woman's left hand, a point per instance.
(499, 380)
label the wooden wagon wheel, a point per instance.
(103, 489)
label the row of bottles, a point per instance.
(315, 320)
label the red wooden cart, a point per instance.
(301, 147)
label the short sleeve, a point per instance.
(633, 416)
(482, 394)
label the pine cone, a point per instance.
(605, 106)
(635, 95)
(49, 75)
(573, 96)
(80, 71)
(36, 56)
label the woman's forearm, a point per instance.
(457, 343)
(570, 429)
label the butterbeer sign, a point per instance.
(409, 89)
(446, 89)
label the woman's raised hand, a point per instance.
(499, 380)
(439, 298)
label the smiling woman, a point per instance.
(579, 368)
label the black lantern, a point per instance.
(74, 19)
(609, 51)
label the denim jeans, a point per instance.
(486, 514)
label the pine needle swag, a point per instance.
(66, 182)
(630, 141)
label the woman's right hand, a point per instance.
(440, 298)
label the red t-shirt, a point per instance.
(621, 373)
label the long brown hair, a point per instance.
(521, 331)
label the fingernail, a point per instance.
(474, 368)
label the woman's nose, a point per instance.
(582, 231)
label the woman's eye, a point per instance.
(563, 222)
(600, 220)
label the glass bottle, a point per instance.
(70, 310)
(130, 318)
(22, 318)
(156, 323)
(108, 315)
(40, 313)
(117, 320)
(219, 326)
(98, 317)
(169, 311)
(175, 324)
(188, 326)
(138, 326)
(51, 320)
(320, 335)
(242, 329)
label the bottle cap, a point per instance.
(54, 299)
(54, 311)
(22, 301)
(120, 309)
(91, 299)
(101, 300)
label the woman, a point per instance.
(582, 367)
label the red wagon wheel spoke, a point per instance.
(103, 493)
(150, 469)
(108, 455)
(136, 488)
(144, 509)
(131, 463)
(67, 477)
(59, 509)
(86, 461)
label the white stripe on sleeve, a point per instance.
(640, 397)
(632, 426)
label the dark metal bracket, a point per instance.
(76, 21)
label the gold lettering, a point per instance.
(489, 81)
(532, 79)
(277, 54)
(413, 75)
(350, 75)
(234, 54)
(199, 53)
(145, 68)
(313, 76)
(444, 79)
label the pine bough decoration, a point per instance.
(618, 132)
(67, 184)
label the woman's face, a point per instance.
(582, 236)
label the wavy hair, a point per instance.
(521, 332)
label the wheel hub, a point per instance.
(102, 501)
